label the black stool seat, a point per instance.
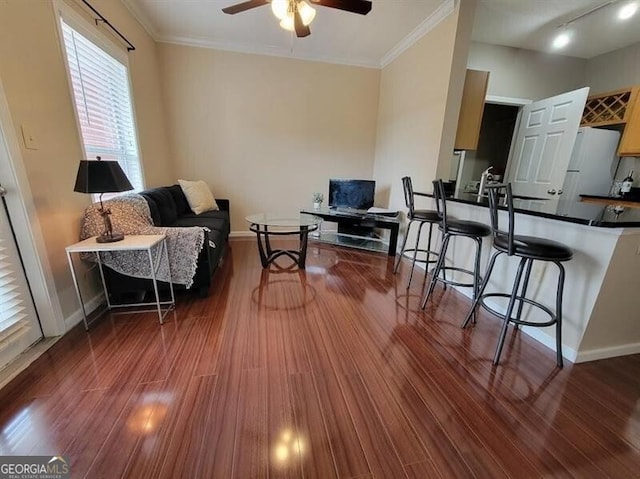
(425, 215)
(534, 248)
(468, 228)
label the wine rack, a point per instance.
(608, 108)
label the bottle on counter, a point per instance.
(627, 184)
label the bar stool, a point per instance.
(528, 249)
(422, 217)
(449, 228)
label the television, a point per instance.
(356, 194)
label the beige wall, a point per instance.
(614, 70)
(267, 132)
(519, 73)
(413, 102)
(614, 321)
(34, 78)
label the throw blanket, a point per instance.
(130, 215)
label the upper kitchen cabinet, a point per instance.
(620, 107)
(471, 110)
(630, 142)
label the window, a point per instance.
(100, 85)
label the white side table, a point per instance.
(133, 242)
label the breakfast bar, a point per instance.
(601, 301)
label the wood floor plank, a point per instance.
(422, 470)
(372, 433)
(251, 449)
(187, 448)
(283, 450)
(310, 440)
(347, 449)
(334, 371)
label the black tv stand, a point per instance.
(357, 230)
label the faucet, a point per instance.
(484, 180)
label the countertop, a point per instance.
(579, 212)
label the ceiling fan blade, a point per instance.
(241, 7)
(355, 6)
(302, 30)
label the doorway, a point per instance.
(20, 326)
(494, 143)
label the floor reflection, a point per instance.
(288, 447)
(283, 290)
(146, 418)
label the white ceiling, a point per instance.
(391, 26)
(532, 24)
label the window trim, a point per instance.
(64, 12)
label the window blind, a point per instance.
(103, 102)
(12, 309)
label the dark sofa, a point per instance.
(169, 207)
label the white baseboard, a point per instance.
(90, 306)
(610, 352)
(546, 340)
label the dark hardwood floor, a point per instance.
(332, 372)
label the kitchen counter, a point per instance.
(580, 212)
(632, 202)
(600, 294)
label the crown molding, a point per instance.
(142, 19)
(269, 50)
(443, 11)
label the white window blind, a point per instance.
(103, 102)
(12, 308)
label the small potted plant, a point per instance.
(318, 198)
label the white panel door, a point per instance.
(543, 143)
(19, 326)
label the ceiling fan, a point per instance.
(296, 15)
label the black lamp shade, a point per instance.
(101, 176)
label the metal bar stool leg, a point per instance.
(404, 243)
(436, 271)
(525, 285)
(476, 302)
(559, 315)
(444, 272)
(476, 273)
(415, 253)
(429, 244)
(507, 316)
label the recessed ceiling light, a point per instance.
(627, 11)
(561, 40)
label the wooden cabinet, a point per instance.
(617, 108)
(630, 141)
(471, 110)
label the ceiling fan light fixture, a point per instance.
(280, 8)
(307, 14)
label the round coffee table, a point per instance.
(265, 225)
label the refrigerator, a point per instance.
(593, 164)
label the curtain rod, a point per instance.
(130, 46)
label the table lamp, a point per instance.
(102, 177)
